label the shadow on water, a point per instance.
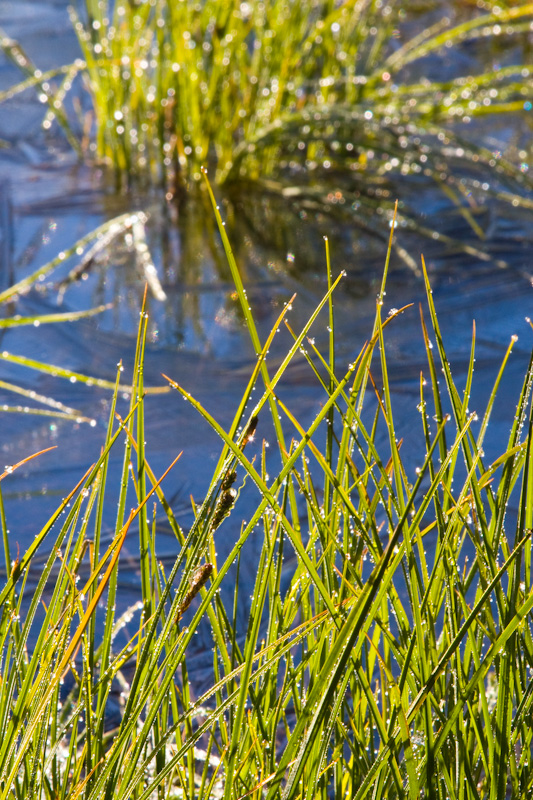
(196, 332)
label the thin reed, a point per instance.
(385, 648)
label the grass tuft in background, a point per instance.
(321, 104)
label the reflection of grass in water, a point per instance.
(94, 244)
(336, 685)
(312, 101)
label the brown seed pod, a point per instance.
(228, 480)
(223, 507)
(199, 579)
(250, 431)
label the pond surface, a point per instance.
(196, 336)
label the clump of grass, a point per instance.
(375, 658)
(312, 102)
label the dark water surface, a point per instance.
(48, 201)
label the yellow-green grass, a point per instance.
(373, 659)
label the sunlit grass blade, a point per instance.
(57, 409)
(17, 55)
(44, 319)
(61, 372)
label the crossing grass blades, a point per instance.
(371, 664)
